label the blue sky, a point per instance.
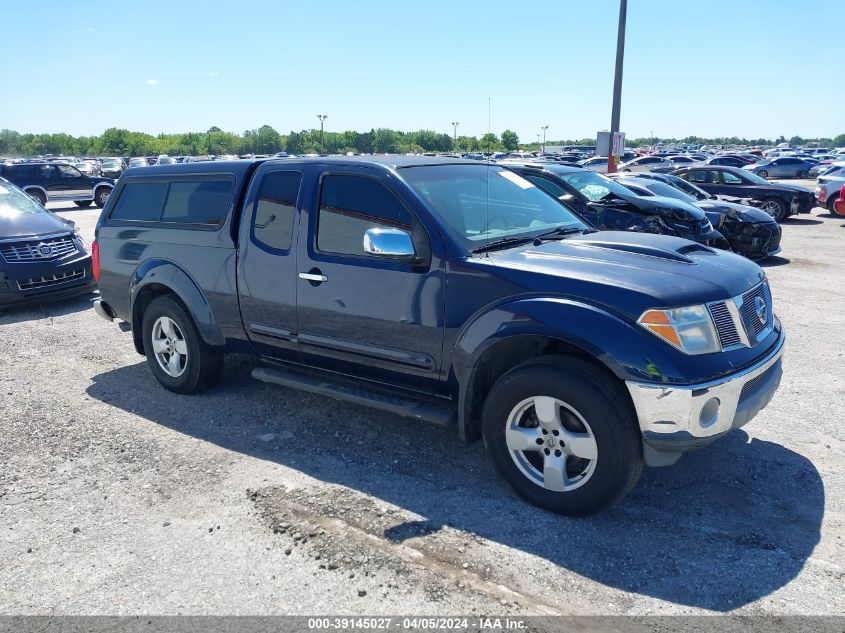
(714, 67)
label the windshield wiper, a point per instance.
(502, 243)
(561, 232)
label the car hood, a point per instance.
(783, 186)
(663, 205)
(628, 272)
(734, 210)
(31, 225)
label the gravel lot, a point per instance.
(117, 497)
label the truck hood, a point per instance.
(32, 225)
(628, 272)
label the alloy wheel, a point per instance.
(169, 347)
(551, 443)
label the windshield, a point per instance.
(662, 189)
(593, 185)
(750, 176)
(109, 164)
(14, 202)
(482, 203)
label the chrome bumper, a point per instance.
(674, 419)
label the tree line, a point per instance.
(266, 140)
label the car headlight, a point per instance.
(689, 329)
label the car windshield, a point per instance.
(486, 203)
(593, 185)
(110, 164)
(14, 202)
(662, 189)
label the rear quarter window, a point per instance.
(203, 201)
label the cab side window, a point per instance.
(275, 209)
(349, 205)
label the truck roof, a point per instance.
(242, 167)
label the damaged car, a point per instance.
(610, 206)
(750, 231)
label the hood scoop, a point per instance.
(679, 254)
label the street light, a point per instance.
(538, 140)
(544, 128)
(322, 118)
(455, 125)
(617, 83)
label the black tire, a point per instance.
(39, 197)
(599, 400)
(763, 173)
(203, 364)
(101, 194)
(777, 210)
(83, 204)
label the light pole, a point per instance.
(538, 140)
(544, 128)
(455, 125)
(322, 118)
(617, 83)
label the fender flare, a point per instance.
(163, 272)
(617, 345)
(39, 188)
(98, 185)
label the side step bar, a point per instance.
(359, 394)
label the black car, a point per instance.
(112, 167)
(777, 199)
(608, 205)
(41, 256)
(750, 231)
(57, 182)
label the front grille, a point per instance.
(37, 250)
(725, 326)
(51, 280)
(749, 310)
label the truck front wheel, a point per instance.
(180, 360)
(564, 435)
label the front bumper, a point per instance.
(675, 419)
(46, 281)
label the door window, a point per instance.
(275, 208)
(66, 171)
(349, 206)
(698, 175)
(731, 179)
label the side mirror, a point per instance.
(389, 243)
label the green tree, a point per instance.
(489, 142)
(386, 141)
(510, 140)
(838, 141)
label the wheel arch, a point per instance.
(155, 278)
(510, 335)
(38, 188)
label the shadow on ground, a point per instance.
(724, 527)
(45, 309)
(774, 260)
(793, 221)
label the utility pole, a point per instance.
(322, 118)
(455, 125)
(544, 128)
(617, 83)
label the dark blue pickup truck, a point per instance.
(450, 291)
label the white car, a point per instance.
(645, 163)
(827, 191)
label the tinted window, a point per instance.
(275, 208)
(731, 179)
(66, 171)
(697, 176)
(349, 205)
(24, 172)
(140, 201)
(198, 201)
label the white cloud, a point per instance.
(213, 73)
(152, 82)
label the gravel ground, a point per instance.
(117, 497)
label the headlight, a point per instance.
(688, 329)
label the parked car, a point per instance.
(89, 167)
(750, 231)
(445, 290)
(680, 161)
(839, 204)
(112, 168)
(778, 199)
(645, 163)
(57, 182)
(836, 168)
(782, 167)
(164, 159)
(597, 164)
(138, 161)
(727, 161)
(610, 206)
(41, 255)
(828, 188)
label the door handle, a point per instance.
(313, 277)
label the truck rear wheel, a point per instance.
(180, 360)
(564, 435)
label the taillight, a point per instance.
(95, 260)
